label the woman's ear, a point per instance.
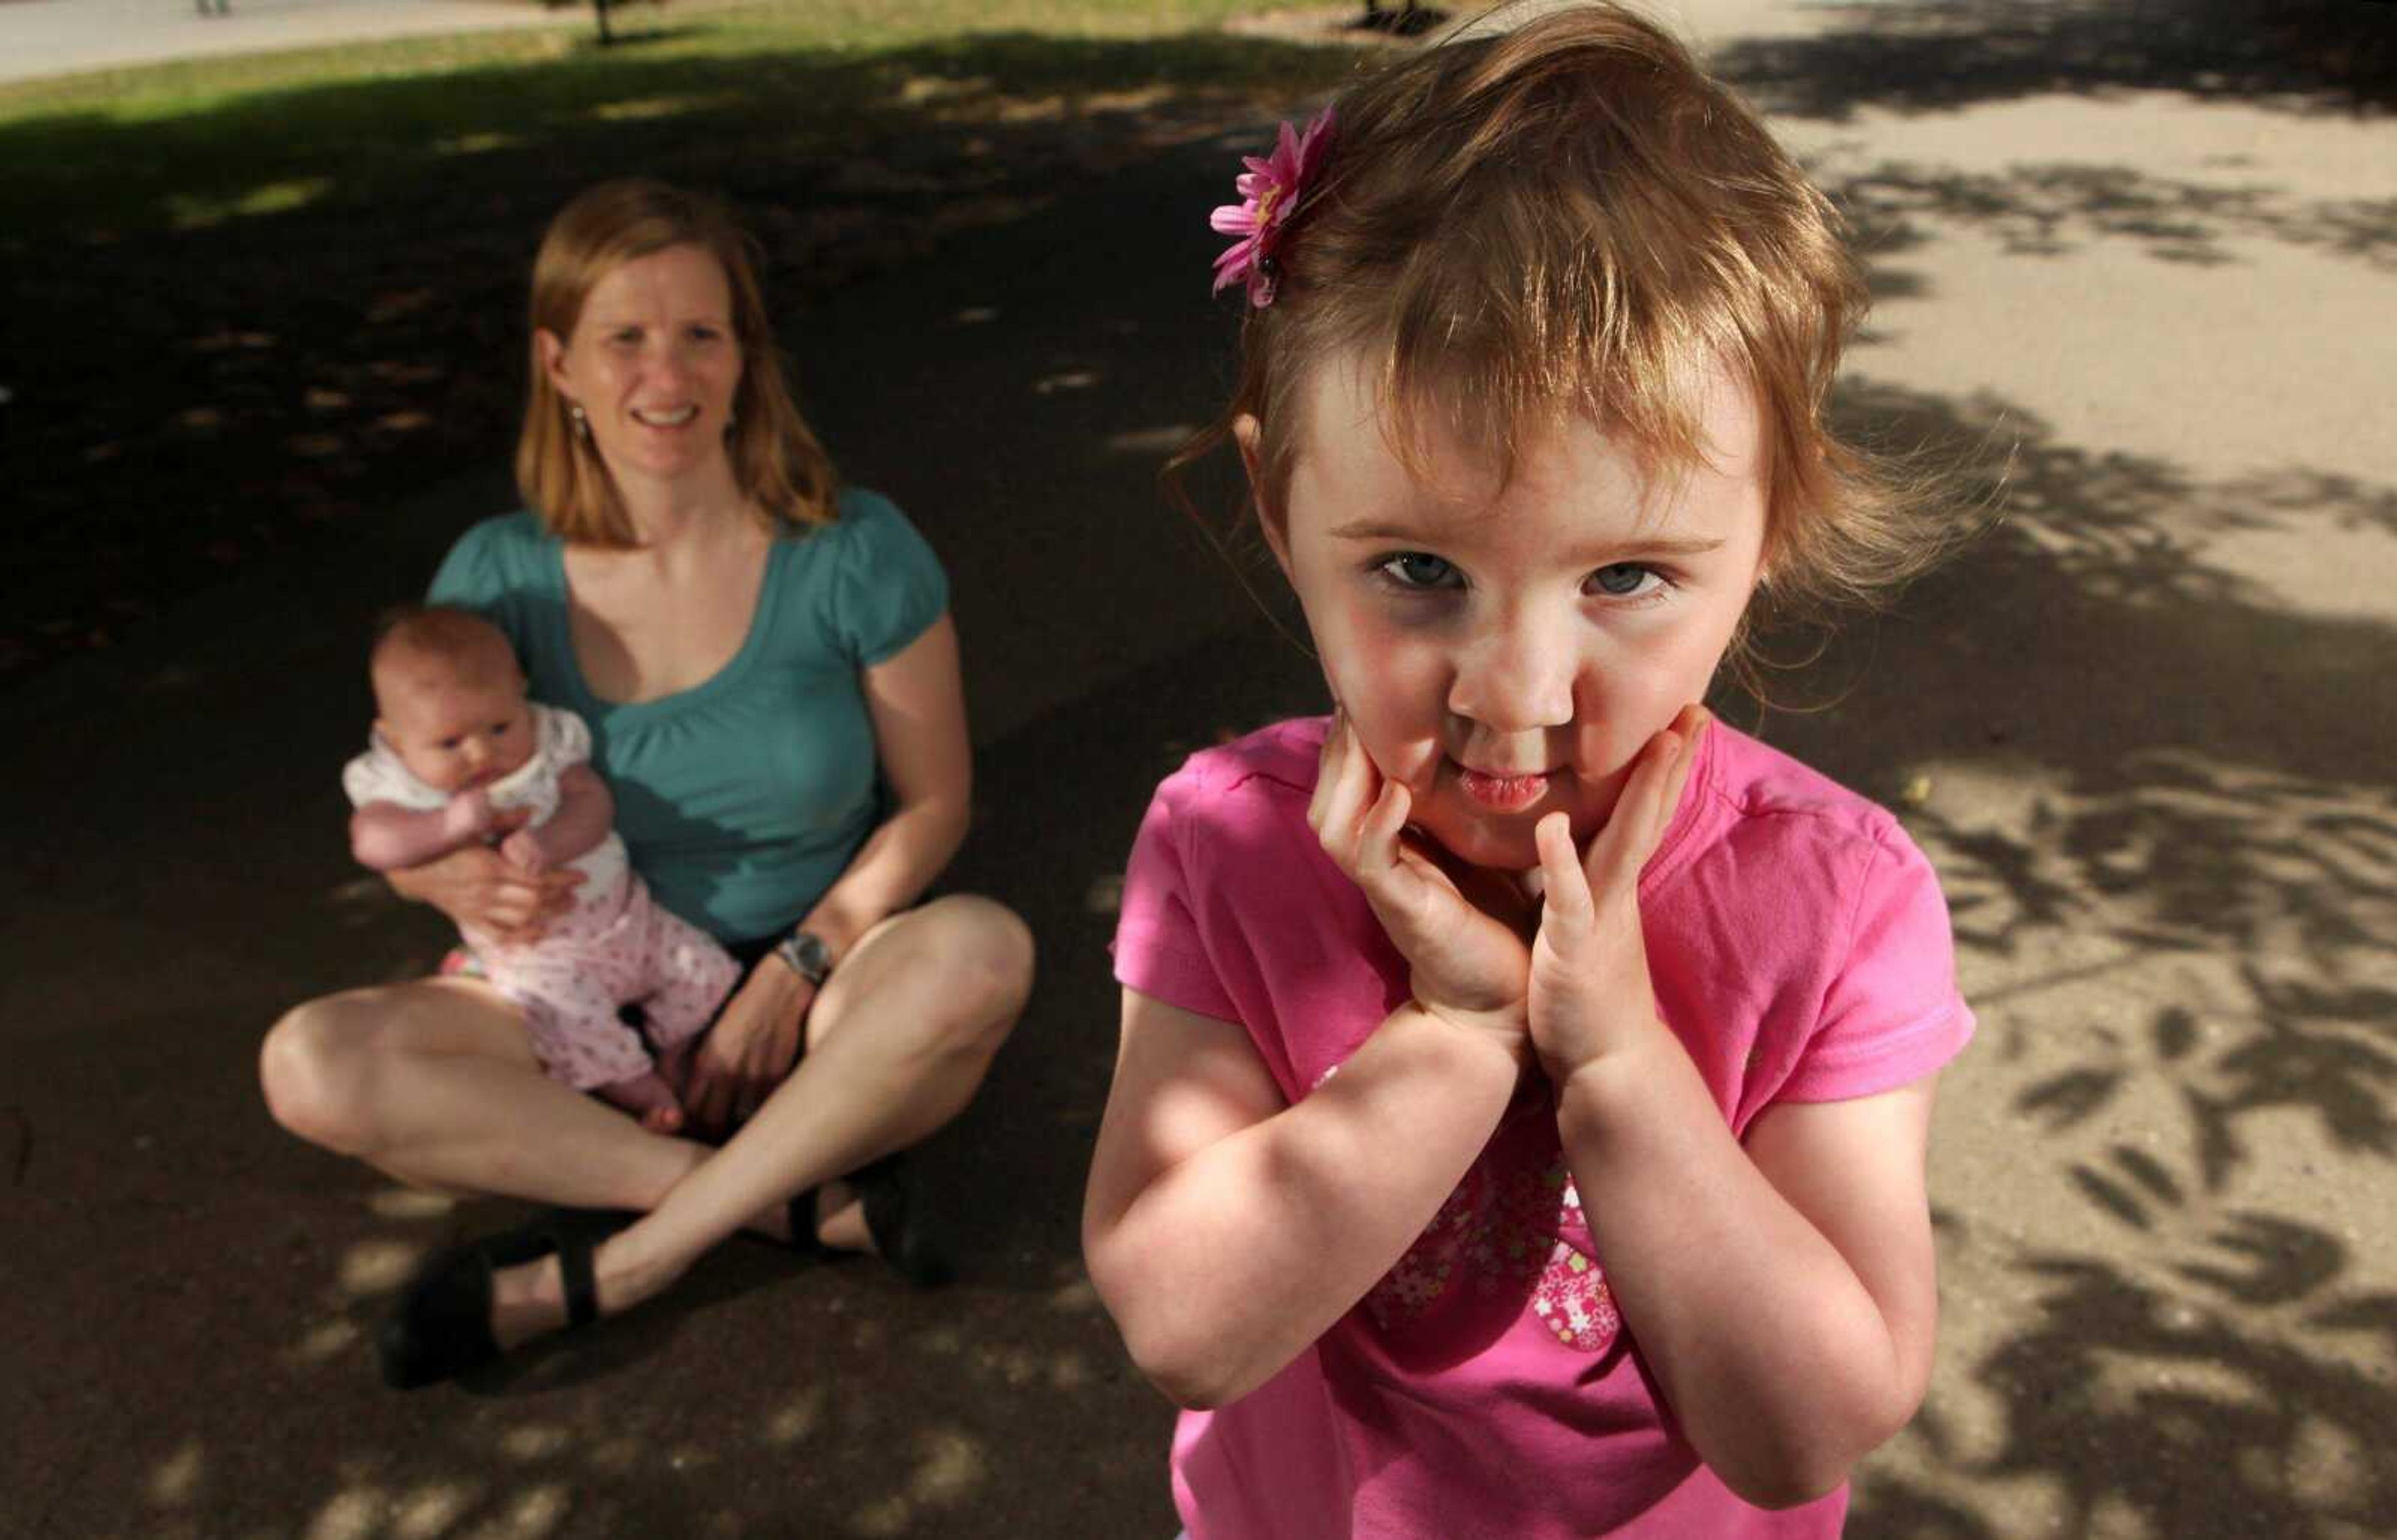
(1248, 434)
(549, 356)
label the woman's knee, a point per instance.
(995, 957)
(985, 956)
(314, 1067)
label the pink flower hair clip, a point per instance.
(1270, 190)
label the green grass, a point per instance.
(177, 146)
(661, 32)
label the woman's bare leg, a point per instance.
(435, 1082)
(897, 1042)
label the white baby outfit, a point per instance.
(615, 947)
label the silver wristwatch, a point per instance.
(807, 955)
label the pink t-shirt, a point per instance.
(1486, 1387)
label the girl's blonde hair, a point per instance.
(777, 461)
(1573, 221)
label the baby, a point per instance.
(459, 756)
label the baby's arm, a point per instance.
(1227, 1230)
(587, 810)
(385, 836)
(1783, 1291)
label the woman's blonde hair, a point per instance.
(1570, 220)
(777, 461)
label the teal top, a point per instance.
(742, 798)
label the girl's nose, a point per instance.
(1516, 676)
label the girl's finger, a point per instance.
(1566, 889)
(1375, 854)
(1327, 772)
(1690, 726)
(1355, 786)
(1621, 849)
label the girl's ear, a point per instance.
(1247, 433)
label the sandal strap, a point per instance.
(574, 1249)
(801, 1216)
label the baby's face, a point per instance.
(1506, 654)
(456, 729)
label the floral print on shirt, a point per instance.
(1512, 1229)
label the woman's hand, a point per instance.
(748, 1051)
(481, 890)
(1469, 966)
(1589, 985)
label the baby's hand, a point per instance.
(470, 815)
(523, 851)
(1591, 990)
(1467, 965)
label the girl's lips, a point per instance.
(1502, 793)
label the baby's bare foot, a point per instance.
(647, 1097)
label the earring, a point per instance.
(582, 423)
(731, 420)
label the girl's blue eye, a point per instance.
(1418, 569)
(1622, 580)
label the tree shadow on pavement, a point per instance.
(2169, 844)
(2056, 210)
(1914, 56)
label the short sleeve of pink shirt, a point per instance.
(1155, 931)
(1801, 951)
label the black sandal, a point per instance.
(442, 1325)
(895, 1218)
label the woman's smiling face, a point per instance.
(654, 363)
(1505, 653)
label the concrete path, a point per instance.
(51, 37)
(2134, 271)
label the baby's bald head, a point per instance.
(435, 646)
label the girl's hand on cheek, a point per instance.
(1469, 966)
(1589, 987)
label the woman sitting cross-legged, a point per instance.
(769, 675)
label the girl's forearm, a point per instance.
(897, 862)
(1776, 1362)
(1228, 1264)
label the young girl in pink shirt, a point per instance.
(1518, 1129)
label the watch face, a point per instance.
(813, 957)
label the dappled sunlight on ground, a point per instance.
(2163, 818)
